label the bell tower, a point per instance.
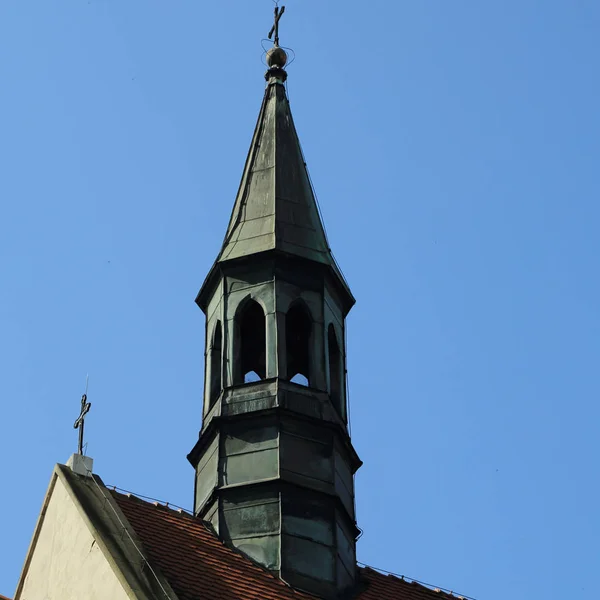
(274, 461)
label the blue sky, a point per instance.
(454, 147)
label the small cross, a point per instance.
(275, 29)
(80, 422)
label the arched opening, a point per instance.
(298, 326)
(216, 366)
(335, 370)
(252, 332)
(251, 377)
(300, 379)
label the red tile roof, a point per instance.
(3, 597)
(198, 565)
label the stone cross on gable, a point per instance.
(80, 422)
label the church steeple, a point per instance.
(275, 208)
(274, 461)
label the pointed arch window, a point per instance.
(252, 343)
(298, 328)
(335, 370)
(216, 364)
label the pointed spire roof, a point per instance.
(275, 208)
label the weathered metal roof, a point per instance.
(275, 208)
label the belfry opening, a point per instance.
(252, 342)
(298, 329)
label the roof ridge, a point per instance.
(178, 510)
(410, 581)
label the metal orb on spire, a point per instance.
(276, 57)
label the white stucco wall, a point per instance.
(67, 563)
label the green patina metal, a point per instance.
(274, 461)
(275, 209)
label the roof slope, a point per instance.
(82, 543)
(198, 565)
(275, 207)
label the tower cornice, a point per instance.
(220, 269)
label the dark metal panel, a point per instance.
(234, 498)
(346, 547)
(307, 515)
(249, 398)
(317, 529)
(250, 467)
(321, 589)
(238, 408)
(306, 481)
(264, 550)
(302, 428)
(306, 457)
(208, 453)
(253, 228)
(261, 195)
(242, 277)
(243, 247)
(310, 402)
(250, 390)
(241, 440)
(297, 235)
(345, 496)
(303, 404)
(206, 478)
(344, 483)
(308, 558)
(292, 212)
(251, 521)
(211, 514)
(345, 577)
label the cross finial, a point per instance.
(275, 29)
(80, 422)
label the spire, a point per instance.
(275, 208)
